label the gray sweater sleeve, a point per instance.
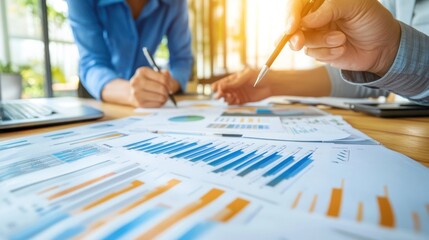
(341, 88)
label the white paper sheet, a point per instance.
(247, 121)
(343, 103)
(132, 183)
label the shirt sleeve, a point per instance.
(341, 88)
(409, 74)
(95, 66)
(179, 45)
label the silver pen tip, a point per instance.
(261, 75)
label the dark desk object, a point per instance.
(392, 110)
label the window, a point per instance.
(229, 35)
(23, 46)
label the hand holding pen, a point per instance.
(155, 67)
(151, 88)
(311, 5)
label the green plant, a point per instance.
(54, 16)
(33, 79)
(8, 68)
(58, 75)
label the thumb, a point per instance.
(166, 73)
(293, 13)
(324, 15)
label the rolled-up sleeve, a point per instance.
(95, 66)
(409, 74)
(179, 45)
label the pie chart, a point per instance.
(190, 118)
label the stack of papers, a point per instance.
(170, 174)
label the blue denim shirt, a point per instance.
(110, 40)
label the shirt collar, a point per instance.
(108, 2)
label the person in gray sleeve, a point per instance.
(326, 80)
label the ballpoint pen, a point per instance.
(310, 5)
(155, 67)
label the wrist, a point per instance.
(117, 91)
(389, 53)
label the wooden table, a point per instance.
(409, 136)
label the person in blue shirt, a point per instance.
(110, 35)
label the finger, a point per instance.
(297, 41)
(325, 54)
(166, 73)
(150, 104)
(170, 80)
(239, 80)
(215, 85)
(328, 12)
(324, 39)
(293, 15)
(217, 95)
(142, 95)
(148, 73)
(218, 85)
(153, 87)
(229, 98)
(224, 85)
(139, 82)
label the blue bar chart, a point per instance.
(15, 144)
(31, 165)
(274, 163)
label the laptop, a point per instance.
(25, 113)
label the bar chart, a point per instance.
(243, 122)
(76, 194)
(132, 206)
(14, 144)
(337, 205)
(31, 165)
(272, 163)
(94, 138)
(221, 217)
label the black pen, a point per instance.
(311, 5)
(155, 67)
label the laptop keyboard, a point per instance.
(24, 110)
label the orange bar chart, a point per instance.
(150, 195)
(387, 217)
(135, 184)
(209, 197)
(296, 201)
(313, 204)
(359, 216)
(48, 189)
(99, 137)
(231, 210)
(335, 202)
(79, 186)
(158, 191)
(416, 221)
